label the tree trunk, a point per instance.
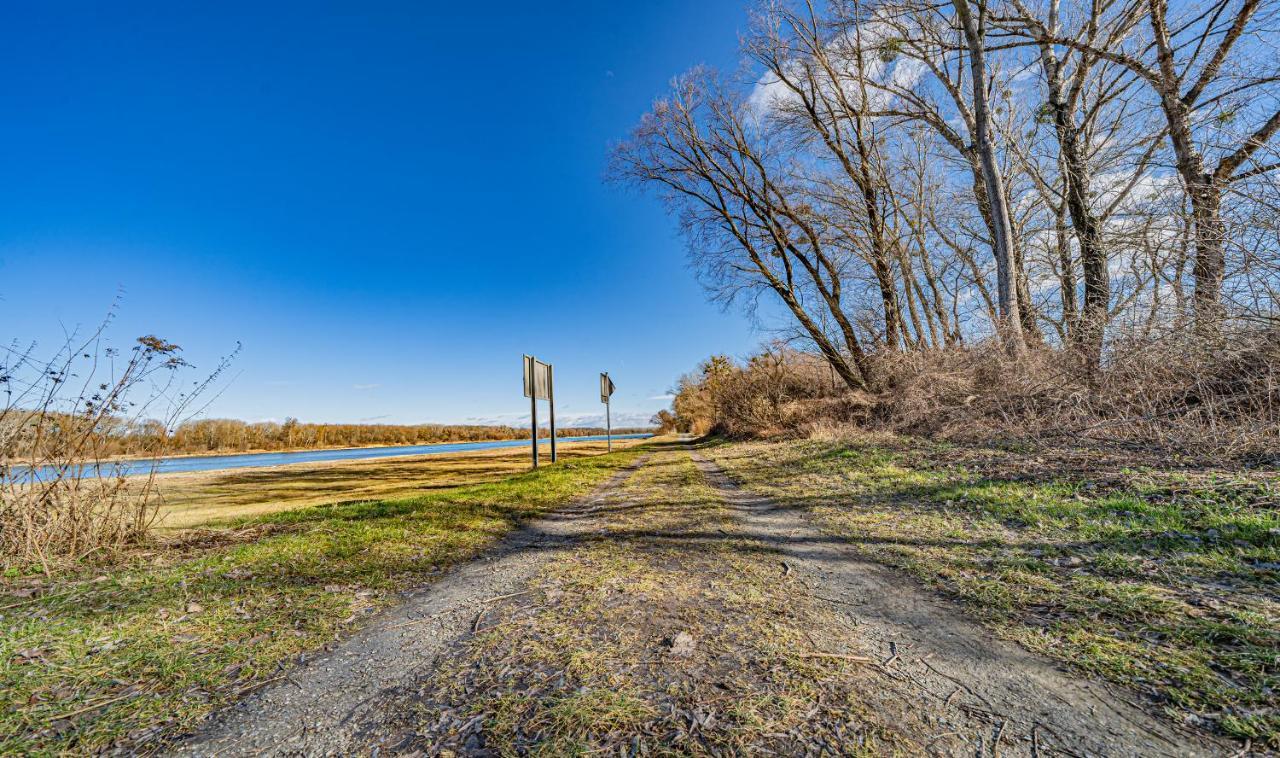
(1002, 227)
(1210, 263)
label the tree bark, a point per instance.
(1010, 327)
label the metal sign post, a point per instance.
(539, 384)
(606, 391)
(551, 399)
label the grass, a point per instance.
(583, 662)
(194, 499)
(123, 655)
(1162, 581)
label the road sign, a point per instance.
(606, 391)
(537, 378)
(540, 384)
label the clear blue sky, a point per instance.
(386, 203)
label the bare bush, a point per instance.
(1178, 392)
(63, 496)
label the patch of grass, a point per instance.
(121, 655)
(1163, 582)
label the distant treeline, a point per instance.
(230, 435)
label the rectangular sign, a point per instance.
(606, 388)
(537, 379)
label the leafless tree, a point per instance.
(736, 194)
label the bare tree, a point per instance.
(1207, 68)
(739, 207)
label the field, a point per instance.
(120, 655)
(218, 496)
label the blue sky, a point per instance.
(386, 203)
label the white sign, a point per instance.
(606, 388)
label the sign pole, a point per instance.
(608, 419)
(551, 399)
(533, 404)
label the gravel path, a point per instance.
(320, 708)
(976, 686)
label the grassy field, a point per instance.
(218, 496)
(120, 656)
(1165, 581)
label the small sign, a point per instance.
(537, 378)
(606, 388)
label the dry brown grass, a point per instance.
(1181, 393)
(187, 500)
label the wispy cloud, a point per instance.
(365, 386)
(667, 396)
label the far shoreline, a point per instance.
(267, 451)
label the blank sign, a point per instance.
(537, 378)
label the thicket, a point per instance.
(1179, 394)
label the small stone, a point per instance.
(681, 645)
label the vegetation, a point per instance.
(191, 500)
(1159, 579)
(229, 435)
(901, 177)
(57, 418)
(123, 655)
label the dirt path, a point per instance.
(320, 706)
(951, 667)
(672, 612)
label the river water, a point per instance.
(184, 464)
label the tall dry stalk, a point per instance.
(62, 497)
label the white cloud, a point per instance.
(362, 387)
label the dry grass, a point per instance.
(1178, 392)
(188, 500)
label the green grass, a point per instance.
(1165, 582)
(145, 648)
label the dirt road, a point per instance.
(671, 612)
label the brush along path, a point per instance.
(952, 670)
(316, 708)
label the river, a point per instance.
(187, 464)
